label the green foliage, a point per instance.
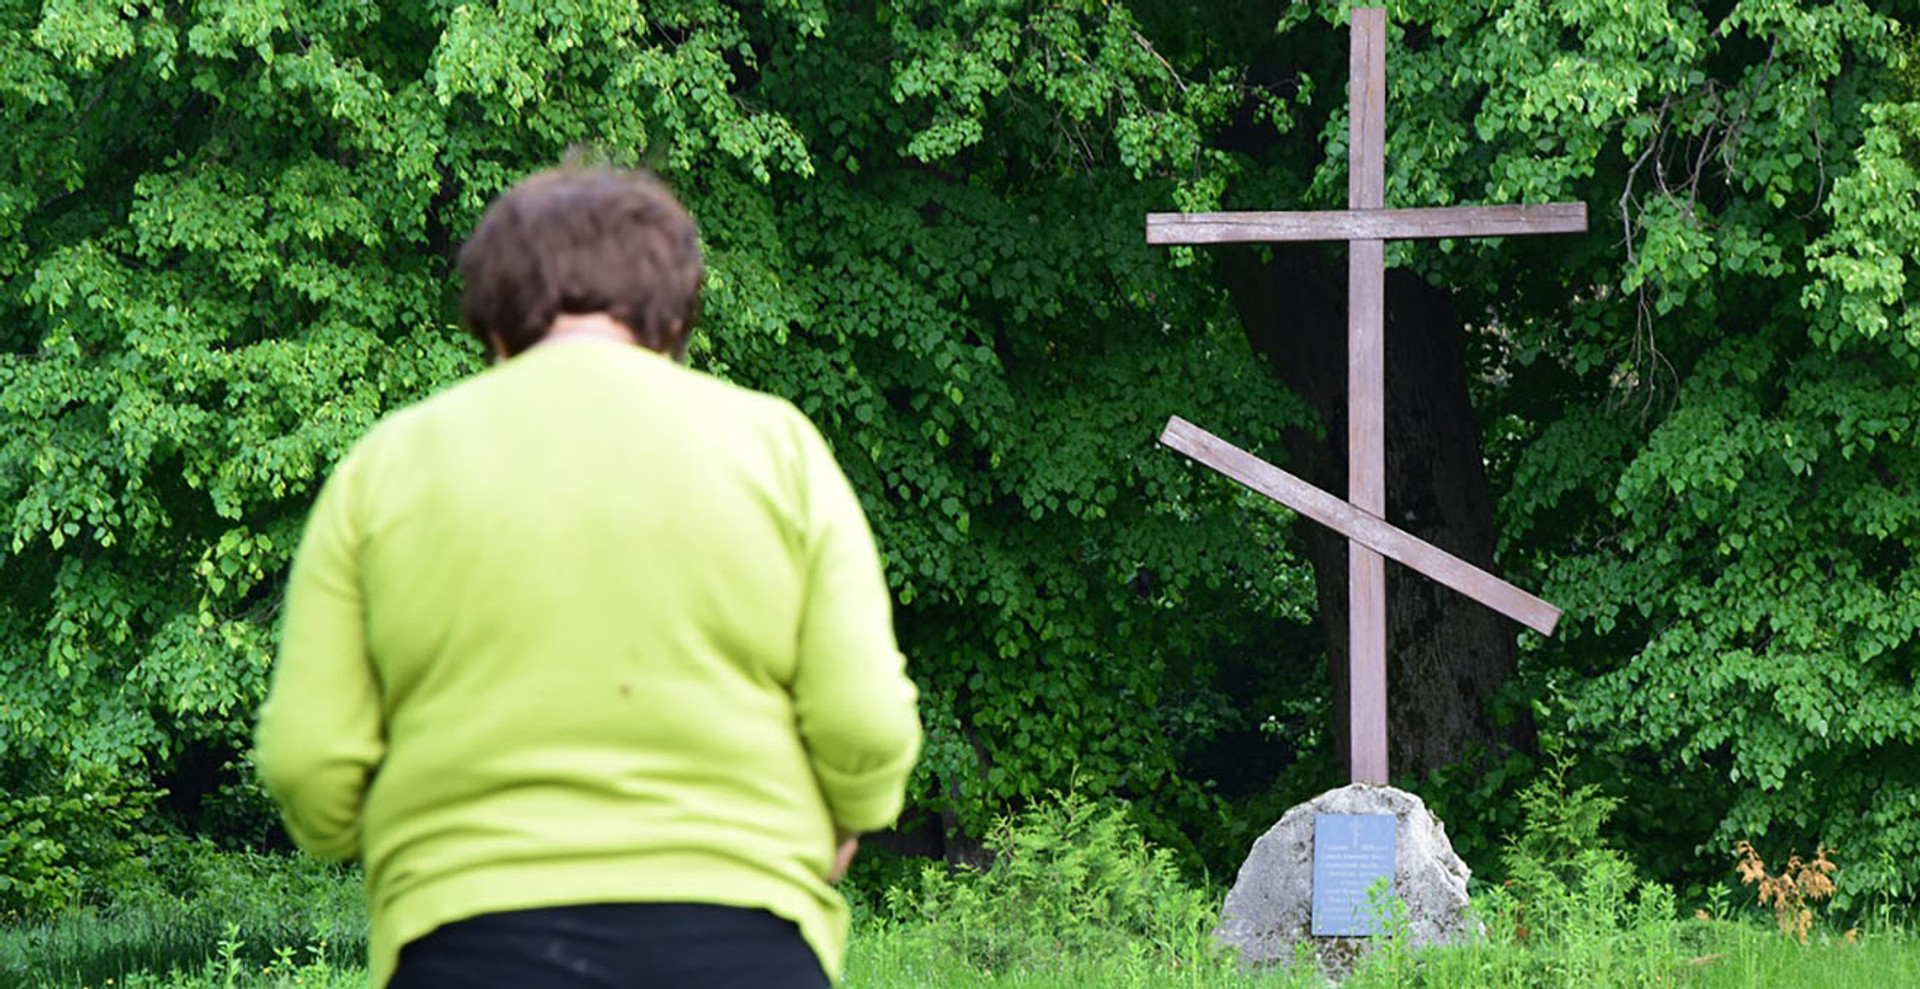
(55, 846)
(227, 231)
(294, 922)
(992, 348)
(1562, 879)
(1701, 415)
(1389, 949)
(1071, 882)
(1477, 798)
(1705, 438)
(288, 967)
(1572, 911)
(137, 949)
(197, 909)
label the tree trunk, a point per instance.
(1446, 653)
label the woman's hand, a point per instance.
(849, 844)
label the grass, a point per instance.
(1737, 955)
(259, 923)
(1076, 899)
(1749, 955)
(244, 910)
(1742, 955)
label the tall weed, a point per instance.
(1802, 882)
(1575, 906)
(1071, 882)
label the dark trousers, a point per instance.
(613, 946)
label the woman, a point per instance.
(589, 657)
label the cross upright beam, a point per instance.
(1365, 225)
(1366, 397)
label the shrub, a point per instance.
(57, 846)
(1071, 881)
(1575, 905)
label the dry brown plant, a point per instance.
(1800, 883)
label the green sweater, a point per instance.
(588, 627)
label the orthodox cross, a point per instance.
(1365, 225)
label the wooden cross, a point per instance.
(1366, 225)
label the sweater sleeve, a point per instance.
(320, 736)
(855, 704)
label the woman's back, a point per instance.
(587, 628)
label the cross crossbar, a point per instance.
(1369, 530)
(1366, 224)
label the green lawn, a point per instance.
(1076, 899)
(142, 950)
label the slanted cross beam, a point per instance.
(1365, 225)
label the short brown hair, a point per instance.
(581, 240)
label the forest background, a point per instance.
(226, 229)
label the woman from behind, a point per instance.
(589, 658)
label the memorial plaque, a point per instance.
(1351, 852)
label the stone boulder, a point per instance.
(1268, 915)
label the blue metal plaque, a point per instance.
(1351, 852)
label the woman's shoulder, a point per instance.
(761, 409)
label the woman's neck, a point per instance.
(587, 326)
